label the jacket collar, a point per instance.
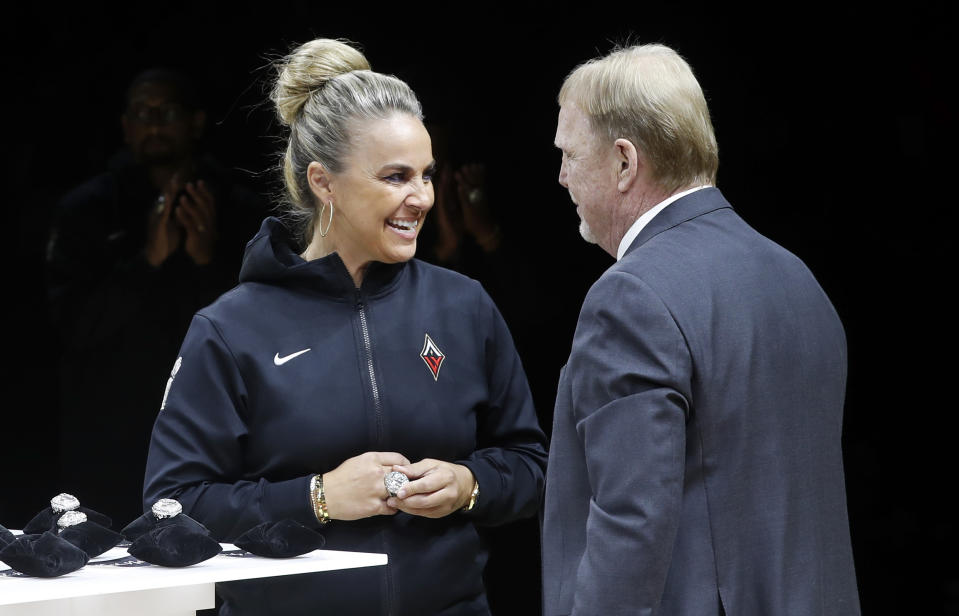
(270, 258)
(684, 209)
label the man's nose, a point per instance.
(562, 174)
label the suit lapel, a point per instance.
(678, 212)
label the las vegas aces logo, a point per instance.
(433, 356)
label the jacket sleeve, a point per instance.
(631, 374)
(197, 445)
(510, 460)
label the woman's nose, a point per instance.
(421, 196)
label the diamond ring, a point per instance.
(71, 518)
(166, 508)
(395, 480)
(64, 502)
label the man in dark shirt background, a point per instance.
(132, 253)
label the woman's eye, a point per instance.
(395, 178)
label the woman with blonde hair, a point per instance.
(339, 359)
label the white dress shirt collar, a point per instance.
(648, 215)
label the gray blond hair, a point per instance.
(322, 89)
(648, 95)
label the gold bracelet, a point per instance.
(318, 499)
(473, 496)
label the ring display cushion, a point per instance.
(43, 555)
(47, 518)
(283, 539)
(174, 545)
(91, 537)
(147, 522)
(5, 536)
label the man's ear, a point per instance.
(320, 181)
(628, 162)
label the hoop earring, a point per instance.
(328, 224)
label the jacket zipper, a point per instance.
(368, 346)
(378, 413)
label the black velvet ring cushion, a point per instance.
(91, 537)
(47, 518)
(43, 555)
(174, 545)
(147, 522)
(283, 539)
(5, 536)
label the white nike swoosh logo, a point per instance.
(279, 361)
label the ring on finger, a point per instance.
(395, 480)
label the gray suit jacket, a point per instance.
(695, 466)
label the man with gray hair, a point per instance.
(695, 466)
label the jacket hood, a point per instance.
(269, 258)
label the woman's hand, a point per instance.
(436, 488)
(355, 489)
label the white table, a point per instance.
(150, 590)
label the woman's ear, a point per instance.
(320, 181)
(627, 157)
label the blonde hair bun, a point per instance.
(323, 89)
(307, 69)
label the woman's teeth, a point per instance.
(408, 225)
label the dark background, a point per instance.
(837, 132)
